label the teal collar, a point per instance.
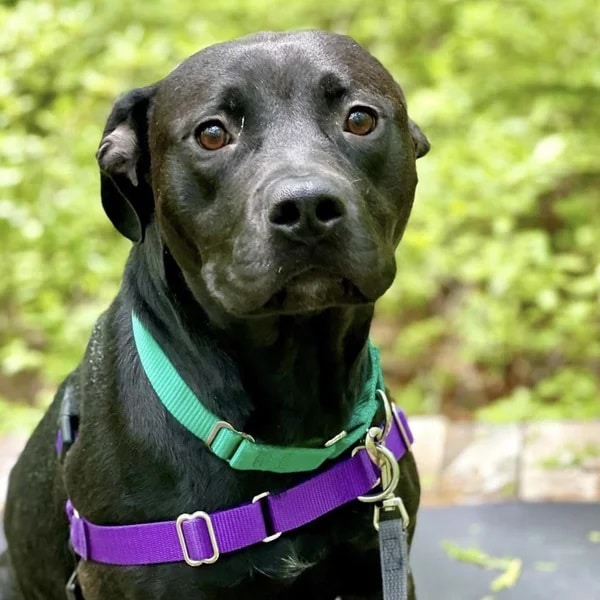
(239, 449)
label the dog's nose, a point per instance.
(305, 210)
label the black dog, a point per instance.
(265, 183)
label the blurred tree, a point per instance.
(496, 303)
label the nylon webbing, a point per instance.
(393, 553)
(233, 446)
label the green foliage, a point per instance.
(17, 418)
(567, 394)
(498, 288)
(510, 567)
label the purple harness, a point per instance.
(200, 538)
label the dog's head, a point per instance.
(279, 170)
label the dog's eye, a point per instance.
(212, 135)
(360, 121)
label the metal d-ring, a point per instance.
(389, 414)
(377, 435)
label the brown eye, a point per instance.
(360, 121)
(212, 135)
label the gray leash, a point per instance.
(393, 552)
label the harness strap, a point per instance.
(239, 449)
(201, 538)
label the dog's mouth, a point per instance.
(312, 290)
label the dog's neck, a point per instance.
(291, 379)
(305, 371)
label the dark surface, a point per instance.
(535, 533)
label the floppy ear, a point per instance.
(421, 142)
(124, 160)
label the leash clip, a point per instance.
(381, 456)
(390, 471)
(389, 505)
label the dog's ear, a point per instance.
(420, 141)
(124, 160)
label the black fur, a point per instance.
(265, 317)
